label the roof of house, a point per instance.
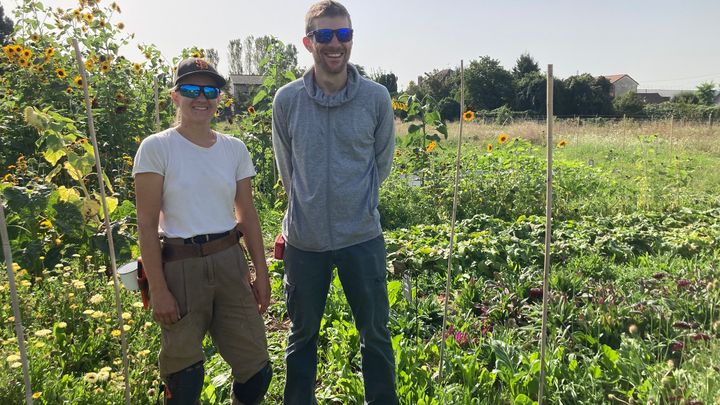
(615, 78)
(247, 79)
(652, 98)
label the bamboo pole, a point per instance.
(108, 229)
(15, 304)
(157, 103)
(548, 230)
(452, 224)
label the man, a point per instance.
(333, 136)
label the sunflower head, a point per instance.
(88, 17)
(49, 52)
(489, 148)
(502, 138)
(137, 68)
(562, 143)
(35, 37)
(78, 81)
(105, 67)
(24, 62)
(431, 146)
(469, 116)
(69, 90)
(120, 25)
(60, 72)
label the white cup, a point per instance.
(128, 275)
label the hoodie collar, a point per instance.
(346, 94)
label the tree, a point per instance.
(531, 92)
(629, 104)
(211, 55)
(489, 85)
(387, 79)
(705, 93)
(6, 27)
(438, 84)
(235, 56)
(686, 97)
(251, 55)
(585, 95)
(524, 66)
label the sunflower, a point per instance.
(60, 72)
(115, 7)
(49, 52)
(251, 110)
(105, 67)
(120, 25)
(88, 17)
(102, 23)
(89, 64)
(8, 50)
(77, 14)
(562, 143)
(78, 81)
(35, 37)
(137, 68)
(69, 90)
(24, 62)
(489, 148)
(196, 54)
(503, 138)
(469, 116)
(431, 146)
(18, 49)
(26, 53)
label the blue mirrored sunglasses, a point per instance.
(325, 35)
(193, 91)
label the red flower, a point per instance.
(701, 336)
(682, 325)
(677, 346)
(251, 110)
(536, 292)
(682, 283)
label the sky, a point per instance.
(662, 44)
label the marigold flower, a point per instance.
(96, 299)
(91, 377)
(37, 395)
(115, 333)
(78, 81)
(503, 138)
(43, 332)
(489, 147)
(61, 73)
(562, 143)
(251, 110)
(431, 146)
(469, 116)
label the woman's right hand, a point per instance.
(165, 309)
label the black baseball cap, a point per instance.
(194, 66)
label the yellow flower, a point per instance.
(24, 62)
(503, 138)
(431, 146)
(37, 395)
(17, 364)
(127, 327)
(77, 13)
(105, 67)
(43, 332)
(196, 54)
(251, 110)
(115, 6)
(91, 377)
(49, 52)
(26, 53)
(489, 148)
(126, 315)
(78, 81)
(18, 49)
(12, 358)
(98, 314)
(96, 299)
(34, 37)
(88, 17)
(562, 143)
(103, 375)
(137, 304)
(46, 224)
(61, 73)
(469, 116)
(143, 353)
(120, 25)
(69, 90)
(115, 333)
(137, 68)
(89, 64)
(62, 325)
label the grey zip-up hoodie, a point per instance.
(332, 152)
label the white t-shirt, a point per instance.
(199, 183)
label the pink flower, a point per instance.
(677, 346)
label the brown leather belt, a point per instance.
(172, 252)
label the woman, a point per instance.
(193, 188)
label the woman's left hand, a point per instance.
(261, 290)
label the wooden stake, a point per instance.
(106, 213)
(157, 103)
(15, 304)
(548, 230)
(452, 224)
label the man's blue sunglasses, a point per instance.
(193, 91)
(325, 35)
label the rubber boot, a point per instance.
(252, 391)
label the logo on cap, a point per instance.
(201, 64)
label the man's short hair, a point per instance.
(325, 8)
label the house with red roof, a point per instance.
(621, 84)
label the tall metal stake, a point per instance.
(452, 223)
(15, 304)
(106, 213)
(548, 230)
